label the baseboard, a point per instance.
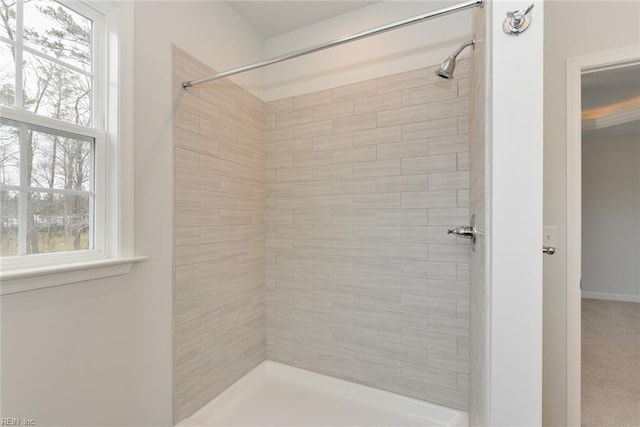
(611, 297)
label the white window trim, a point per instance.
(118, 257)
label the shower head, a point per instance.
(445, 70)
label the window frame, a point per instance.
(112, 131)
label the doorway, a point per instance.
(603, 230)
(610, 391)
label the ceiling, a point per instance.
(272, 18)
(608, 86)
(602, 88)
(621, 130)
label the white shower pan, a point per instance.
(277, 395)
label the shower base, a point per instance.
(273, 394)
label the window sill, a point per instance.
(29, 279)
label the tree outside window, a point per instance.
(47, 185)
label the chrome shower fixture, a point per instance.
(446, 68)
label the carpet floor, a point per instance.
(610, 363)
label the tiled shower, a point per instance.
(312, 231)
(219, 287)
(362, 281)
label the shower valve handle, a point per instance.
(519, 15)
(463, 231)
(466, 232)
(517, 21)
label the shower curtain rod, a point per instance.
(346, 39)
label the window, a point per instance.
(61, 142)
(48, 191)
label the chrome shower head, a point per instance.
(446, 68)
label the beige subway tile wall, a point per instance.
(478, 194)
(362, 281)
(219, 288)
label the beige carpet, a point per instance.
(610, 363)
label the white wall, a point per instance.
(571, 29)
(100, 353)
(515, 227)
(611, 217)
(401, 50)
